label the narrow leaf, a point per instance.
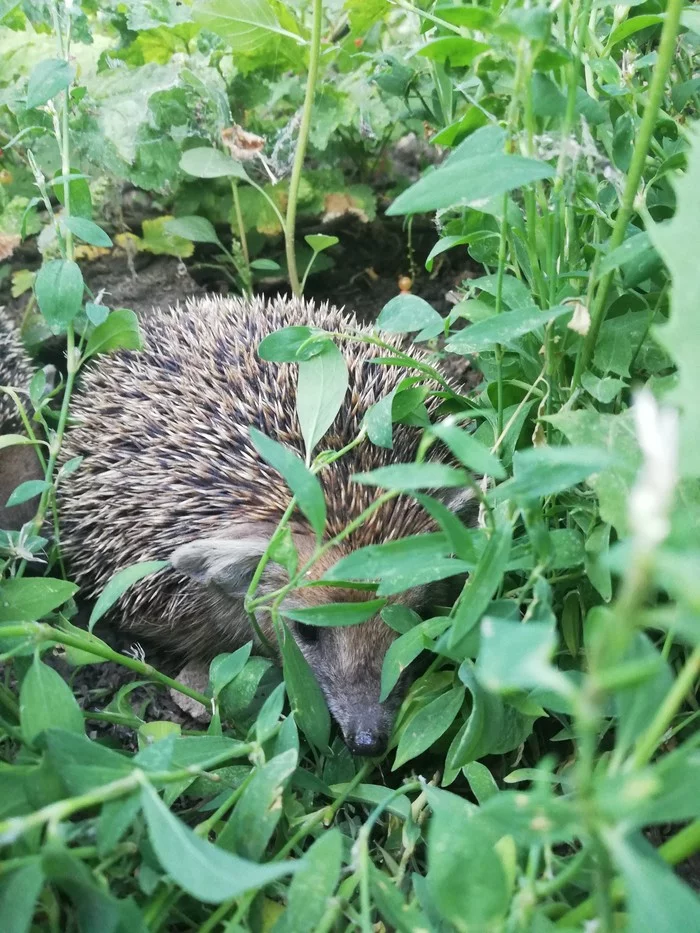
(120, 583)
(323, 382)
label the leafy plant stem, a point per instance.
(40, 632)
(656, 91)
(650, 738)
(302, 140)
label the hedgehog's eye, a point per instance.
(307, 633)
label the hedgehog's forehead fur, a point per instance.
(16, 370)
(165, 431)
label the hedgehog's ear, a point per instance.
(227, 563)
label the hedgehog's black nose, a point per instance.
(369, 744)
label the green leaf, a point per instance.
(544, 471)
(603, 390)
(14, 440)
(469, 451)
(120, 331)
(502, 328)
(406, 476)
(46, 701)
(244, 25)
(427, 724)
(225, 667)
(467, 881)
(258, 812)
(82, 764)
(457, 50)
(483, 583)
(405, 649)
(469, 180)
(120, 583)
(407, 313)
(26, 491)
(335, 614)
(305, 696)
(485, 141)
(481, 781)
(636, 705)
(635, 250)
(616, 434)
(321, 241)
(313, 885)
(204, 871)
(676, 241)
(267, 719)
(26, 600)
(302, 482)
(19, 893)
(206, 162)
(399, 565)
(282, 346)
(515, 654)
(321, 388)
(59, 288)
(632, 25)
(48, 78)
(657, 900)
(96, 314)
(197, 229)
(87, 231)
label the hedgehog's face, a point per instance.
(347, 661)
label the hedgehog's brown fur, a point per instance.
(168, 459)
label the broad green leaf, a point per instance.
(400, 618)
(379, 421)
(96, 314)
(120, 583)
(26, 600)
(58, 287)
(305, 696)
(481, 781)
(603, 390)
(405, 649)
(321, 241)
(87, 230)
(442, 245)
(225, 667)
(657, 900)
(514, 293)
(28, 490)
(676, 241)
(399, 565)
(616, 434)
(461, 538)
(634, 250)
(116, 816)
(47, 79)
(636, 704)
(120, 331)
(313, 885)
(632, 25)
(197, 229)
(466, 744)
(485, 141)
(321, 388)
(457, 50)
(406, 476)
(427, 724)
(482, 584)
(302, 482)
(467, 880)
(19, 893)
(257, 813)
(516, 654)
(268, 718)
(473, 17)
(407, 313)
(470, 452)
(201, 869)
(619, 340)
(502, 328)
(82, 764)
(206, 162)
(46, 701)
(468, 180)
(282, 346)
(544, 471)
(335, 614)
(244, 25)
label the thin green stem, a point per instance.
(661, 71)
(302, 140)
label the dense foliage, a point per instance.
(555, 723)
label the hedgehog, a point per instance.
(169, 472)
(19, 462)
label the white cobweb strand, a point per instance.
(651, 498)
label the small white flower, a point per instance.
(580, 319)
(652, 495)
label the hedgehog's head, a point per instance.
(347, 661)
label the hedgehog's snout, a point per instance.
(367, 740)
